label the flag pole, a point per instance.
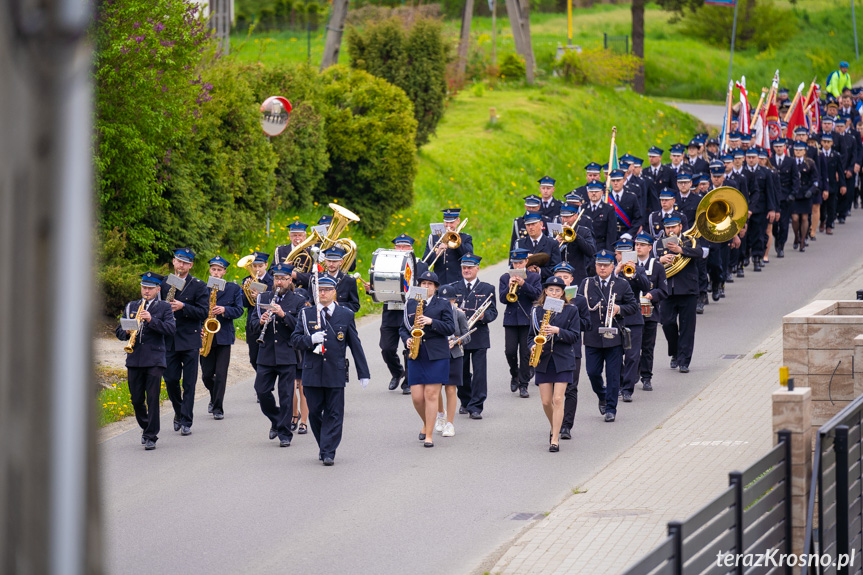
(726, 125)
(610, 162)
(733, 34)
(760, 103)
(794, 102)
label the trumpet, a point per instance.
(610, 332)
(417, 332)
(629, 270)
(130, 347)
(539, 340)
(479, 311)
(511, 295)
(452, 239)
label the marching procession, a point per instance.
(593, 274)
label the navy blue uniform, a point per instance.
(474, 388)
(146, 363)
(630, 220)
(604, 221)
(184, 346)
(762, 199)
(516, 326)
(277, 359)
(579, 252)
(658, 292)
(833, 180)
(325, 374)
(448, 267)
(519, 230)
(657, 179)
(788, 185)
(558, 353)
(677, 312)
(347, 294)
(214, 367)
(391, 320)
(601, 351)
(656, 222)
(250, 328)
(432, 362)
(544, 245)
(639, 284)
(552, 210)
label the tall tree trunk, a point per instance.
(638, 42)
(335, 29)
(519, 19)
(744, 30)
(464, 41)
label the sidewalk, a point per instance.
(621, 513)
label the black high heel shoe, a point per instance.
(553, 448)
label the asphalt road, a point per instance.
(708, 113)
(227, 500)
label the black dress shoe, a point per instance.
(422, 436)
(476, 415)
(186, 430)
(406, 390)
(796, 244)
(462, 410)
(673, 364)
(646, 385)
(602, 405)
(780, 253)
(210, 407)
(273, 433)
(149, 445)
(627, 397)
(428, 444)
(143, 441)
(699, 307)
(565, 433)
(609, 417)
(740, 272)
(715, 294)
(522, 392)
(177, 424)
(554, 448)
(218, 415)
(302, 429)
(394, 382)
(328, 461)
(513, 384)
(284, 443)
(721, 292)
(841, 220)
(684, 369)
(756, 266)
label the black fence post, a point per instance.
(604, 41)
(841, 449)
(627, 44)
(785, 438)
(675, 529)
(735, 478)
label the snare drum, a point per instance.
(646, 307)
(392, 274)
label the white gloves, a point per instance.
(318, 337)
(364, 382)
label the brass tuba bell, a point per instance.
(300, 258)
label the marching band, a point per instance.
(592, 275)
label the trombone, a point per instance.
(452, 240)
(568, 232)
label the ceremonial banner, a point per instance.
(728, 3)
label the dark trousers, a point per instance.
(678, 323)
(182, 364)
(214, 374)
(648, 343)
(265, 381)
(326, 415)
(474, 387)
(518, 353)
(756, 234)
(631, 359)
(780, 228)
(843, 202)
(390, 350)
(714, 266)
(253, 350)
(703, 279)
(611, 358)
(570, 402)
(144, 386)
(828, 209)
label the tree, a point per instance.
(638, 42)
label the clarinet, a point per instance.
(260, 339)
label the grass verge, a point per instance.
(114, 401)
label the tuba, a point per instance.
(539, 340)
(211, 325)
(246, 262)
(303, 262)
(720, 215)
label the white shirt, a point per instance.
(330, 308)
(469, 284)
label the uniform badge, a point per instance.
(340, 336)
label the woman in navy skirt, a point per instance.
(430, 369)
(557, 360)
(444, 422)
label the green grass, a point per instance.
(675, 66)
(114, 403)
(553, 130)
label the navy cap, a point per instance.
(828, 137)
(151, 279)
(717, 164)
(564, 267)
(625, 159)
(693, 143)
(636, 161)
(261, 257)
(644, 239)
(698, 178)
(554, 281)
(717, 170)
(403, 239)
(282, 269)
(532, 217)
(783, 122)
(448, 292)
(726, 157)
(734, 136)
(546, 181)
(568, 210)
(856, 90)
(334, 254)
(713, 141)
(617, 174)
(654, 151)
(604, 257)
(738, 152)
(297, 226)
(326, 282)
(574, 197)
(325, 220)
(745, 137)
(605, 167)
(592, 168)
(778, 142)
(429, 277)
(594, 186)
(800, 130)
(219, 261)
(624, 246)
(783, 90)
(470, 260)
(667, 193)
(672, 220)
(762, 153)
(800, 145)
(827, 119)
(451, 214)
(677, 149)
(683, 177)
(518, 254)
(532, 200)
(752, 151)
(184, 255)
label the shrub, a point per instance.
(598, 67)
(767, 26)
(511, 67)
(370, 139)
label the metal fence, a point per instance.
(836, 486)
(752, 516)
(619, 44)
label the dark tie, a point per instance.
(534, 243)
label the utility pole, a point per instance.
(335, 29)
(49, 520)
(519, 18)
(733, 36)
(464, 39)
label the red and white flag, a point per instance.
(745, 110)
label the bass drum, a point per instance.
(392, 274)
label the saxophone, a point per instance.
(172, 293)
(417, 332)
(539, 340)
(211, 325)
(130, 347)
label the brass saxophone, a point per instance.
(417, 332)
(539, 340)
(211, 325)
(130, 346)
